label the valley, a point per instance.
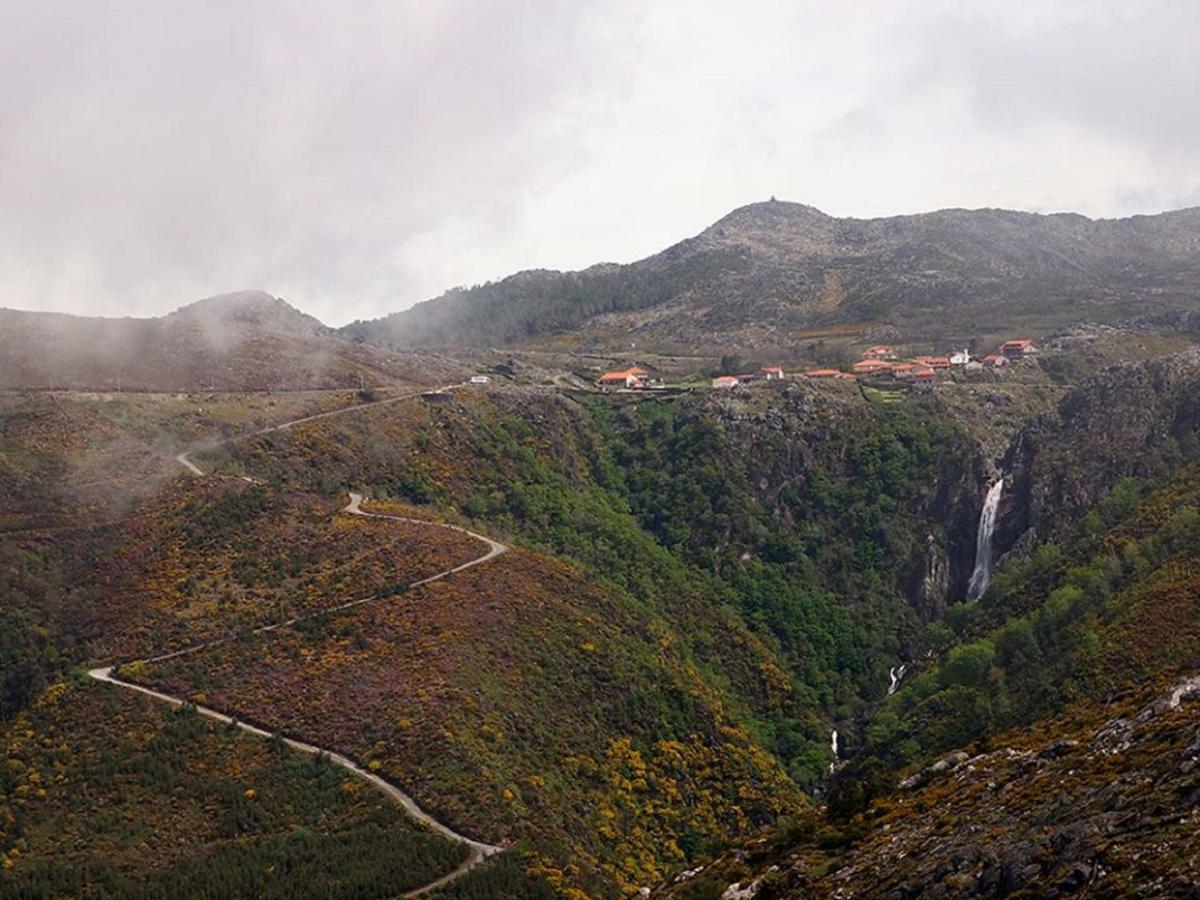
(531, 634)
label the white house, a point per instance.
(960, 358)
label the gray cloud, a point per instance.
(164, 150)
(357, 158)
(1128, 70)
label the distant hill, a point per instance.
(242, 341)
(770, 273)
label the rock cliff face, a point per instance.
(803, 437)
(930, 587)
(1130, 421)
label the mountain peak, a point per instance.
(252, 308)
(773, 213)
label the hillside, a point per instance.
(771, 274)
(696, 589)
(1047, 743)
(108, 794)
(247, 341)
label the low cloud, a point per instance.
(357, 160)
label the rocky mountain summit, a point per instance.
(770, 272)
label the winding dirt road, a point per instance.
(479, 851)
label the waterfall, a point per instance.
(983, 541)
(833, 743)
(895, 673)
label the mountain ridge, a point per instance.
(246, 340)
(767, 273)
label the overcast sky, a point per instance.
(153, 152)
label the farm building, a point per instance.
(871, 367)
(880, 351)
(1018, 349)
(630, 378)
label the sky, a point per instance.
(356, 158)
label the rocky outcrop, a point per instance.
(803, 435)
(1136, 420)
(930, 588)
(1107, 809)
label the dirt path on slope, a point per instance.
(479, 851)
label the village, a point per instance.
(881, 362)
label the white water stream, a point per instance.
(895, 673)
(982, 575)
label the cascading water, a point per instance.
(983, 541)
(895, 673)
(833, 747)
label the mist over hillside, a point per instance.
(247, 340)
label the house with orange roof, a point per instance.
(630, 378)
(1018, 349)
(933, 362)
(880, 351)
(726, 381)
(995, 360)
(871, 367)
(822, 373)
(772, 373)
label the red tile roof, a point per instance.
(871, 365)
(623, 374)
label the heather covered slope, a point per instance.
(828, 526)
(105, 793)
(247, 341)
(79, 457)
(701, 587)
(516, 701)
(200, 557)
(768, 274)
(213, 558)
